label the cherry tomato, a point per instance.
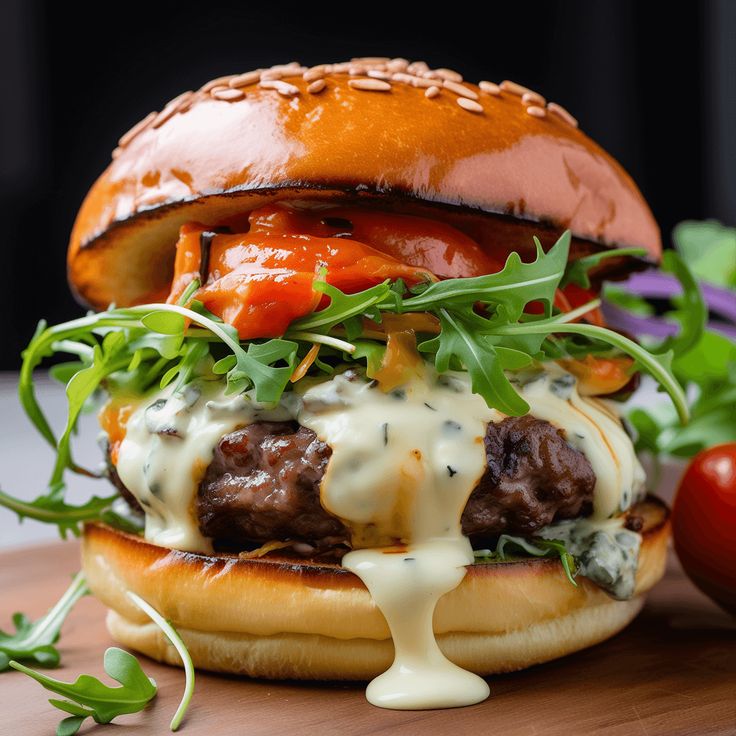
(704, 523)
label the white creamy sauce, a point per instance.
(168, 445)
(403, 465)
(593, 428)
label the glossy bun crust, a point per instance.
(286, 618)
(235, 144)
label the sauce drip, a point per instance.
(403, 466)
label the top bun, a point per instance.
(374, 129)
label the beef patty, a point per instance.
(263, 485)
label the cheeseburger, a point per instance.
(359, 408)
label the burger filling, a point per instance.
(370, 432)
(369, 387)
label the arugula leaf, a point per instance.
(88, 697)
(513, 287)
(658, 365)
(342, 307)
(576, 271)
(110, 356)
(35, 640)
(173, 636)
(52, 509)
(478, 356)
(165, 323)
(536, 547)
(373, 352)
(693, 314)
(710, 367)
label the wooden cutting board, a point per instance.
(672, 672)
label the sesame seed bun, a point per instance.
(495, 161)
(284, 618)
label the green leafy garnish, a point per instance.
(35, 640)
(457, 343)
(692, 313)
(536, 547)
(709, 248)
(577, 270)
(88, 697)
(51, 508)
(173, 636)
(702, 359)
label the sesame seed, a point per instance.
(270, 75)
(227, 94)
(397, 65)
(537, 112)
(116, 152)
(314, 73)
(469, 105)
(379, 74)
(490, 88)
(291, 69)
(186, 99)
(562, 113)
(402, 77)
(514, 88)
(316, 87)
(243, 80)
(417, 67)
(423, 83)
(370, 85)
(371, 60)
(139, 127)
(283, 88)
(219, 88)
(357, 70)
(459, 89)
(431, 74)
(532, 98)
(216, 83)
(166, 113)
(182, 100)
(449, 74)
(431, 92)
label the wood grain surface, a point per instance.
(672, 672)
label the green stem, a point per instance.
(647, 360)
(173, 636)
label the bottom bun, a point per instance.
(279, 617)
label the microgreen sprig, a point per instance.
(173, 636)
(35, 640)
(88, 697)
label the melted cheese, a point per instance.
(403, 465)
(591, 427)
(169, 442)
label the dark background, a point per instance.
(654, 83)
